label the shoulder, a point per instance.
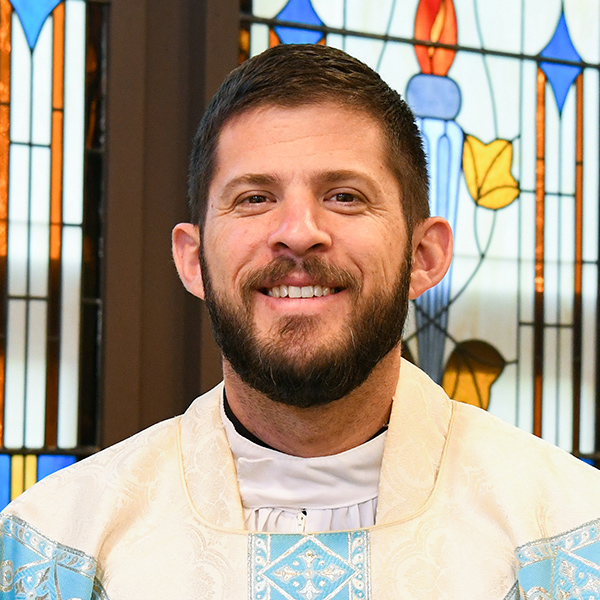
(543, 486)
(75, 504)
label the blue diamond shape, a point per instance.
(575, 577)
(561, 77)
(33, 14)
(299, 11)
(309, 571)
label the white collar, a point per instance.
(268, 478)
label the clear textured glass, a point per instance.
(39, 239)
(20, 85)
(18, 217)
(507, 120)
(14, 408)
(68, 391)
(35, 398)
(74, 112)
(42, 86)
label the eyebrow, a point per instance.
(253, 179)
(343, 175)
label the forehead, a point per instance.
(307, 136)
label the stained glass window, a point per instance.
(507, 100)
(51, 143)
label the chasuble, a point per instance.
(468, 507)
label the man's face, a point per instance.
(306, 258)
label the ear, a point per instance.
(432, 253)
(186, 254)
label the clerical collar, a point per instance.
(243, 431)
(269, 478)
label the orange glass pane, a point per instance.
(435, 22)
(540, 195)
(58, 63)
(5, 44)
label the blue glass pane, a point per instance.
(561, 77)
(4, 480)
(299, 11)
(33, 14)
(48, 464)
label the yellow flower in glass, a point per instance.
(472, 368)
(487, 172)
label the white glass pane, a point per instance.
(551, 296)
(397, 54)
(579, 15)
(528, 126)
(498, 29)
(336, 40)
(477, 101)
(541, 18)
(588, 358)
(259, 38)
(18, 217)
(74, 112)
(331, 12)
(367, 50)
(550, 390)
(372, 17)
(68, 378)
(505, 79)
(15, 374)
(564, 392)
(591, 163)
(503, 399)
(267, 8)
(525, 406)
(567, 144)
(20, 84)
(42, 86)
(552, 148)
(567, 277)
(403, 20)
(40, 219)
(35, 404)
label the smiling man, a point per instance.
(324, 467)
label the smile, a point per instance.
(306, 291)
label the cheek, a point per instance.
(231, 251)
(381, 257)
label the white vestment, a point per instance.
(469, 507)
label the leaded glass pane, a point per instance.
(507, 101)
(51, 60)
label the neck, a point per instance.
(319, 430)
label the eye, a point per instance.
(345, 201)
(344, 197)
(255, 199)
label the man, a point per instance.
(324, 467)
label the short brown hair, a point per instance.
(290, 75)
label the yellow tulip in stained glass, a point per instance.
(487, 172)
(472, 368)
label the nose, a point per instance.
(299, 227)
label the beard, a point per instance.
(286, 368)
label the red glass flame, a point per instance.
(435, 22)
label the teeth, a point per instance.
(293, 291)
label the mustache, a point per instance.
(314, 266)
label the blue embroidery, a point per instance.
(33, 566)
(326, 566)
(566, 566)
